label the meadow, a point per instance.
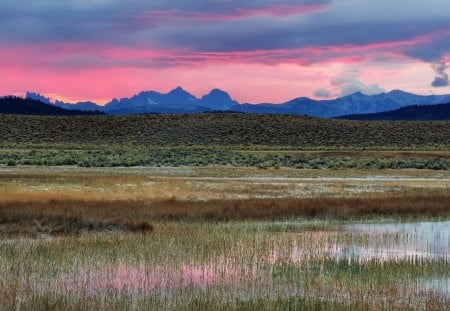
(225, 238)
(223, 212)
(238, 140)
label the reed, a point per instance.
(97, 239)
(204, 266)
(65, 215)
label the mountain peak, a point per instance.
(398, 92)
(356, 94)
(218, 99)
(218, 94)
(179, 100)
(218, 91)
(179, 90)
(37, 96)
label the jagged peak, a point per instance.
(38, 96)
(179, 90)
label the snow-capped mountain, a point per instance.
(180, 101)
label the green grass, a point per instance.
(222, 139)
(220, 156)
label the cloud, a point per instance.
(349, 83)
(322, 93)
(68, 36)
(441, 78)
(224, 25)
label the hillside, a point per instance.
(28, 106)
(415, 112)
(220, 129)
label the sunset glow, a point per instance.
(258, 51)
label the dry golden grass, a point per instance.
(67, 200)
(75, 215)
(207, 183)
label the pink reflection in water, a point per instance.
(142, 278)
(121, 277)
(198, 276)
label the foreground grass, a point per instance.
(237, 266)
(162, 239)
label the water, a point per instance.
(250, 267)
(398, 241)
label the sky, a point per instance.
(257, 50)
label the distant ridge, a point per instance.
(419, 113)
(28, 106)
(179, 100)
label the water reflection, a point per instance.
(260, 268)
(397, 241)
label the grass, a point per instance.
(222, 212)
(203, 238)
(238, 266)
(201, 156)
(65, 215)
(237, 140)
(73, 201)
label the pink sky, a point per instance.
(260, 51)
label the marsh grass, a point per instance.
(204, 266)
(103, 240)
(68, 201)
(95, 214)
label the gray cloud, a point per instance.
(441, 78)
(224, 26)
(322, 93)
(55, 20)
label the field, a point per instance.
(237, 140)
(223, 212)
(224, 238)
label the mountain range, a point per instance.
(179, 100)
(176, 101)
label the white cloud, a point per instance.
(349, 83)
